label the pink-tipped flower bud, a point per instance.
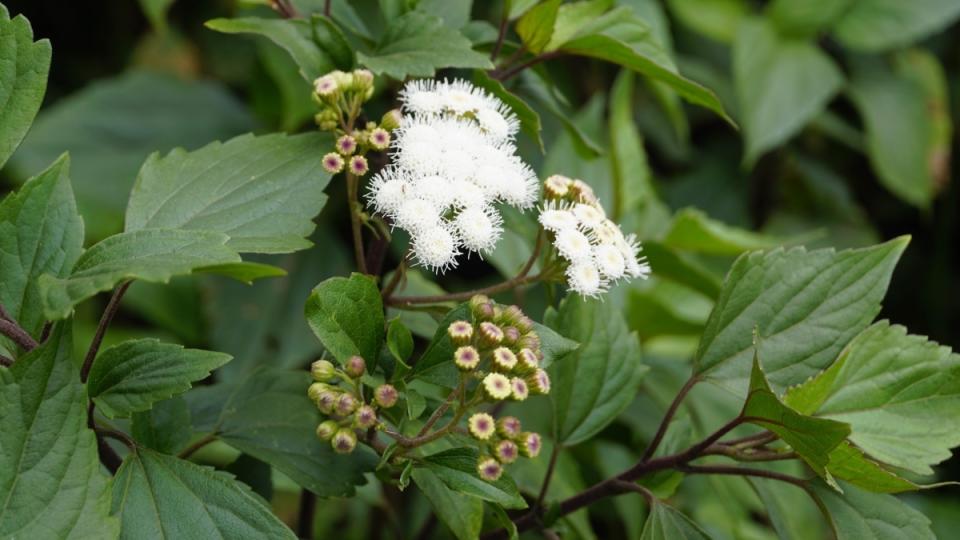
(316, 389)
(344, 441)
(496, 386)
(519, 389)
(511, 335)
(527, 361)
(490, 334)
(379, 139)
(365, 417)
(466, 358)
(346, 404)
(323, 371)
(509, 427)
(386, 396)
(460, 332)
(506, 451)
(346, 145)
(355, 366)
(524, 324)
(391, 120)
(332, 162)
(504, 360)
(489, 469)
(359, 165)
(326, 86)
(530, 444)
(482, 426)
(326, 430)
(362, 79)
(327, 401)
(529, 341)
(511, 315)
(539, 382)
(482, 308)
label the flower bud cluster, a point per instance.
(340, 96)
(501, 350)
(337, 394)
(594, 248)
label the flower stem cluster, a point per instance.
(338, 394)
(500, 350)
(341, 96)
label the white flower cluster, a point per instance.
(453, 160)
(595, 247)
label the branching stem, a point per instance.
(111, 310)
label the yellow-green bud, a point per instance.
(326, 430)
(503, 359)
(490, 334)
(362, 80)
(355, 366)
(346, 404)
(460, 332)
(509, 427)
(391, 120)
(315, 389)
(365, 417)
(539, 382)
(489, 469)
(344, 441)
(385, 395)
(530, 444)
(323, 371)
(327, 400)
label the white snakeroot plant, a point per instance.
(453, 161)
(595, 249)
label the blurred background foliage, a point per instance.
(845, 111)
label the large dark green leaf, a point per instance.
(50, 475)
(860, 515)
(805, 305)
(131, 376)
(160, 496)
(457, 468)
(23, 80)
(436, 363)
(667, 523)
(165, 427)
(595, 382)
(347, 315)
(876, 25)
(692, 230)
(40, 233)
(462, 513)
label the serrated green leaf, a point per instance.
(399, 341)
(24, 65)
(806, 306)
(165, 427)
(860, 515)
(50, 474)
(154, 255)
(535, 27)
(268, 415)
(40, 233)
(878, 25)
(244, 272)
(113, 124)
(159, 496)
(849, 463)
(263, 192)
(529, 119)
(899, 392)
(346, 314)
(553, 346)
(813, 439)
(594, 383)
(667, 523)
(693, 230)
(781, 83)
(417, 44)
(462, 513)
(630, 172)
(436, 365)
(573, 16)
(457, 468)
(131, 376)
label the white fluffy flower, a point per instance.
(479, 229)
(436, 248)
(388, 190)
(432, 188)
(416, 215)
(556, 218)
(589, 215)
(610, 261)
(459, 97)
(584, 278)
(573, 245)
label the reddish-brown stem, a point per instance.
(308, 508)
(501, 34)
(668, 417)
(111, 310)
(205, 440)
(438, 413)
(547, 477)
(10, 328)
(742, 471)
(514, 71)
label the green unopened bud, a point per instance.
(529, 341)
(343, 80)
(327, 401)
(326, 430)
(346, 404)
(365, 417)
(385, 395)
(315, 389)
(328, 125)
(511, 335)
(524, 324)
(489, 469)
(530, 444)
(344, 441)
(355, 366)
(460, 332)
(391, 120)
(511, 315)
(482, 308)
(323, 371)
(527, 361)
(362, 80)
(539, 382)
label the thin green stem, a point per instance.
(353, 189)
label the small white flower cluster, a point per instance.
(596, 249)
(453, 160)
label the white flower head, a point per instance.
(585, 279)
(557, 217)
(436, 248)
(573, 245)
(460, 98)
(589, 215)
(433, 188)
(609, 260)
(479, 228)
(416, 215)
(388, 190)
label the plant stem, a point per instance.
(438, 413)
(665, 423)
(501, 34)
(308, 508)
(395, 279)
(326, 8)
(205, 440)
(353, 189)
(10, 328)
(549, 476)
(118, 435)
(514, 71)
(105, 321)
(742, 471)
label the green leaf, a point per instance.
(417, 44)
(811, 438)
(681, 268)
(717, 19)
(849, 463)
(457, 468)
(24, 65)
(899, 392)
(435, 365)
(516, 8)
(529, 119)
(906, 115)
(878, 25)
(667, 523)
(49, 470)
(462, 513)
(347, 316)
(165, 427)
(632, 177)
(693, 230)
(160, 496)
(297, 37)
(781, 83)
(805, 306)
(553, 346)
(594, 383)
(806, 17)
(154, 255)
(268, 415)
(131, 376)
(263, 192)
(40, 233)
(112, 125)
(860, 515)
(573, 16)
(622, 38)
(244, 272)
(535, 28)
(156, 12)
